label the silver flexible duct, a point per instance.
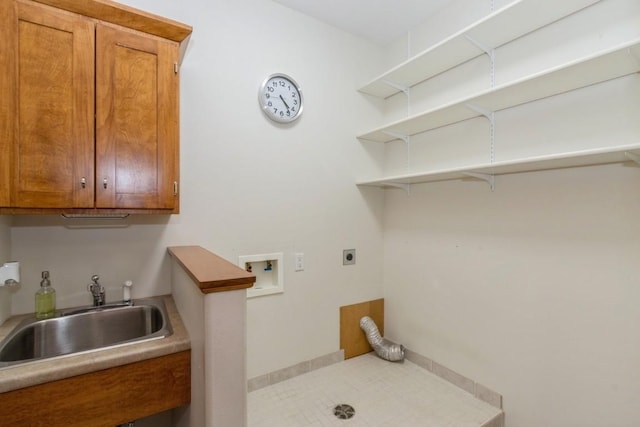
(383, 348)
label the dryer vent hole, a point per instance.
(344, 411)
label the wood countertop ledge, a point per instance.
(210, 272)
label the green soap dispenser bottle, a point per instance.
(45, 298)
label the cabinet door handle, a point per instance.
(104, 183)
(175, 188)
(83, 182)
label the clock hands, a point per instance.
(284, 102)
(283, 88)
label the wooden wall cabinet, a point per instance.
(90, 117)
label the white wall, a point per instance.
(5, 255)
(248, 186)
(5, 238)
(531, 290)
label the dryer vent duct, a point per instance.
(383, 348)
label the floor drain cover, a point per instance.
(344, 411)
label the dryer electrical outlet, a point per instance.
(348, 257)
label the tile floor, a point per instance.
(382, 394)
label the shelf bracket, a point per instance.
(490, 52)
(397, 135)
(632, 156)
(489, 179)
(406, 138)
(490, 115)
(401, 88)
(405, 187)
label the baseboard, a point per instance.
(497, 421)
(476, 389)
(275, 377)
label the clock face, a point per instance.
(280, 98)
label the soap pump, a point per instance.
(45, 298)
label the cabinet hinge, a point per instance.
(175, 68)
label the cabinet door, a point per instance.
(48, 114)
(136, 120)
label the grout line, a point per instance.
(374, 387)
(289, 372)
(477, 390)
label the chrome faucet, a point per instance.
(97, 291)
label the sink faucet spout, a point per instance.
(97, 291)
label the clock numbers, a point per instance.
(281, 98)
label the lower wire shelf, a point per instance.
(600, 156)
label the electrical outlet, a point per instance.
(348, 257)
(299, 261)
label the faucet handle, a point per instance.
(97, 290)
(95, 287)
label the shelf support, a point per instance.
(405, 187)
(401, 88)
(397, 135)
(489, 179)
(406, 138)
(491, 116)
(490, 52)
(632, 156)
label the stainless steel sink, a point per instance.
(85, 329)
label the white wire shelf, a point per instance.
(603, 66)
(495, 30)
(618, 154)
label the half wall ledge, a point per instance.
(210, 272)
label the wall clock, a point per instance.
(280, 98)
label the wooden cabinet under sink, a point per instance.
(106, 398)
(90, 112)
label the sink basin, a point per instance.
(85, 329)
